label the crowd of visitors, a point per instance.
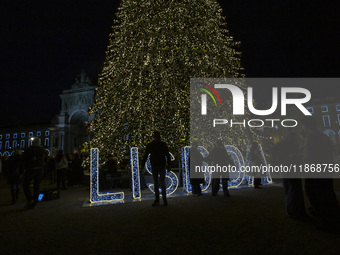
(309, 146)
(35, 164)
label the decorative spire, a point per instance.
(82, 81)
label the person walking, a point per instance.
(288, 152)
(34, 158)
(196, 159)
(318, 149)
(255, 159)
(15, 173)
(52, 168)
(61, 166)
(5, 164)
(219, 156)
(159, 158)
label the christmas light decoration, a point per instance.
(171, 184)
(265, 179)
(135, 177)
(95, 195)
(234, 182)
(155, 47)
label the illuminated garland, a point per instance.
(250, 179)
(135, 177)
(154, 49)
(95, 195)
(171, 185)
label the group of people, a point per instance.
(64, 168)
(218, 156)
(309, 147)
(160, 162)
(23, 168)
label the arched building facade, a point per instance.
(75, 102)
(65, 132)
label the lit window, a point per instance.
(47, 133)
(47, 142)
(22, 144)
(30, 134)
(38, 133)
(8, 136)
(326, 121)
(310, 109)
(15, 136)
(22, 135)
(15, 144)
(324, 108)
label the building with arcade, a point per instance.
(65, 132)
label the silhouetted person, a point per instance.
(111, 166)
(5, 166)
(196, 159)
(159, 157)
(289, 152)
(52, 168)
(61, 165)
(15, 173)
(219, 156)
(255, 159)
(77, 169)
(34, 158)
(318, 149)
(69, 171)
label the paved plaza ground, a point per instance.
(250, 222)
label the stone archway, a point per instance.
(78, 121)
(73, 115)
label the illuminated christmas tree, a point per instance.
(155, 48)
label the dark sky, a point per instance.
(45, 45)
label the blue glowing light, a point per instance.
(185, 169)
(171, 184)
(40, 197)
(236, 181)
(95, 195)
(207, 175)
(135, 176)
(264, 179)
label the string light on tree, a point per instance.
(154, 49)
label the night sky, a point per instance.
(45, 45)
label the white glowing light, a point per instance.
(95, 195)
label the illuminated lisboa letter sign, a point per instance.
(239, 178)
